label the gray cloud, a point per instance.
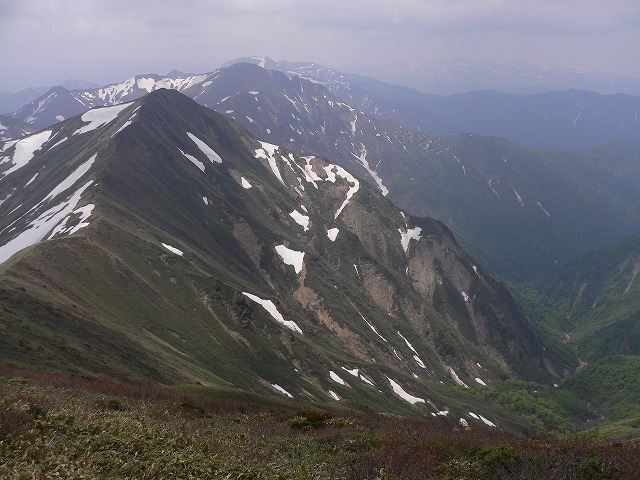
(52, 40)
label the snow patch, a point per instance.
(193, 160)
(543, 209)
(281, 390)
(480, 381)
(245, 183)
(406, 236)
(488, 422)
(270, 307)
(334, 395)
(456, 379)
(374, 329)
(291, 257)
(39, 228)
(267, 152)
(336, 378)
(32, 179)
(302, 220)
(98, 117)
(332, 233)
(25, 148)
(365, 163)
(173, 249)
(335, 170)
(465, 296)
(415, 356)
(206, 149)
(398, 390)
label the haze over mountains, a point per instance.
(261, 251)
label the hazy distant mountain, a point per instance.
(12, 128)
(156, 239)
(76, 84)
(452, 77)
(567, 119)
(10, 102)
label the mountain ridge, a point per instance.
(230, 272)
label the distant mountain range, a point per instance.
(156, 239)
(518, 211)
(453, 77)
(566, 119)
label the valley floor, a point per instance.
(55, 426)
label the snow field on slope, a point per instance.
(99, 117)
(332, 233)
(193, 160)
(25, 148)
(302, 220)
(407, 235)
(172, 249)
(206, 149)
(291, 257)
(398, 390)
(39, 228)
(336, 378)
(281, 390)
(270, 307)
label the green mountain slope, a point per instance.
(159, 240)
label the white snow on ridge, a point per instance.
(480, 381)
(267, 152)
(456, 379)
(71, 179)
(336, 378)
(206, 149)
(336, 170)
(334, 395)
(398, 390)
(270, 307)
(84, 212)
(39, 228)
(465, 296)
(245, 183)
(332, 233)
(302, 220)
(99, 117)
(365, 163)
(488, 422)
(281, 390)
(32, 179)
(373, 328)
(354, 371)
(193, 160)
(543, 209)
(25, 149)
(406, 236)
(173, 249)
(415, 356)
(291, 257)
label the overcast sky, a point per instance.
(48, 41)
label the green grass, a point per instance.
(55, 426)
